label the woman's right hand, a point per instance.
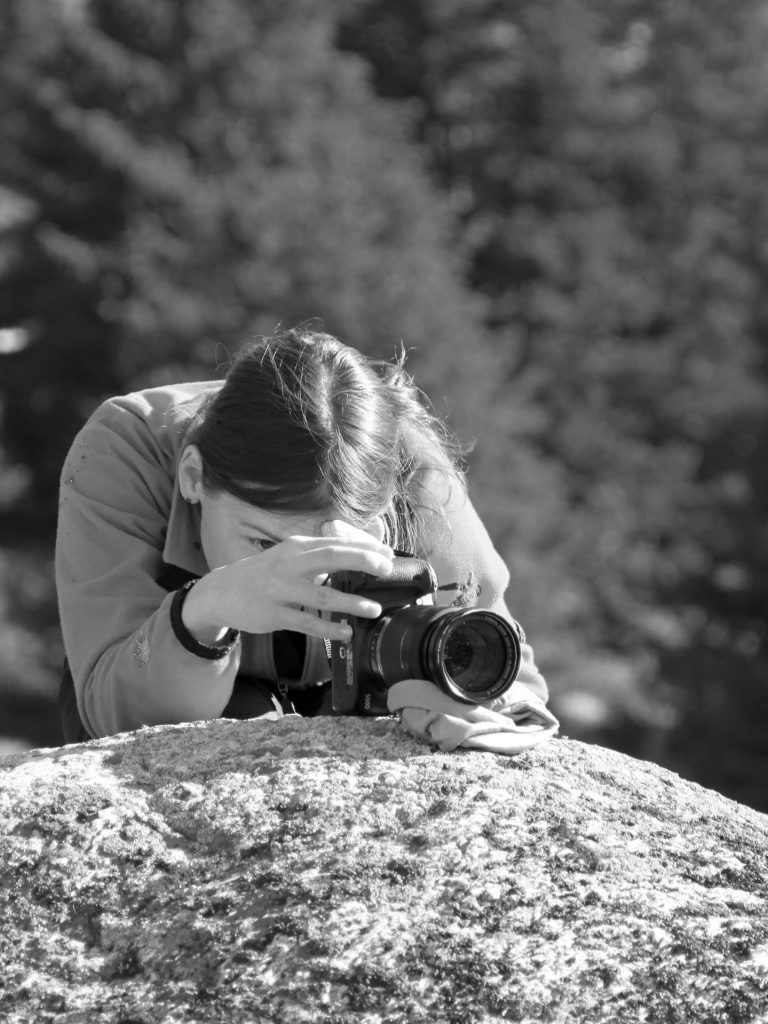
(284, 587)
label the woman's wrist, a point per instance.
(197, 614)
(192, 623)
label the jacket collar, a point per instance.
(182, 540)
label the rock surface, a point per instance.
(338, 871)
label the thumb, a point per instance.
(346, 531)
(336, 528)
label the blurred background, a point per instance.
(559, 207)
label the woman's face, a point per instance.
(231, 529)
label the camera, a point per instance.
(473, 655)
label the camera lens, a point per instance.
(473, 655)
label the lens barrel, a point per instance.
(473, 655)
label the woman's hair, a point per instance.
(305, 423)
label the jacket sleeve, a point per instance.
(455, 541)
(128, 666)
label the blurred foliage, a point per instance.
(31, 654)
(558, 205)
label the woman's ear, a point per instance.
(190, 473)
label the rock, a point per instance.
(338, 871)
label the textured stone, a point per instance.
(338, 871)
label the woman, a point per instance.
(197, 523)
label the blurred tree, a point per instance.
(607, 164)
(192, 173)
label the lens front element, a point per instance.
(474, 658)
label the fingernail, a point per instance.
(370, 609)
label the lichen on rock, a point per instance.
(340, 872)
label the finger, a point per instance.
(331, 601)
(361, 541)
(337, 557)
(377, 529)
(312, 625)
(344, 530)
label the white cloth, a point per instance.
(513, 726)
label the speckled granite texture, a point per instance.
(337, 871)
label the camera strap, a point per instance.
(289, 650)
(468, 593)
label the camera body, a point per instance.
(472, 654)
